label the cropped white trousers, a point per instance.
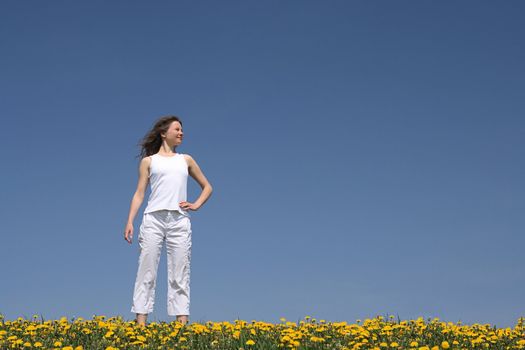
(175, 229)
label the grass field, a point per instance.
(379, 333)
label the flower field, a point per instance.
(379, 333)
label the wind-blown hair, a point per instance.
(152, 141)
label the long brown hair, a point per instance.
(152, 141)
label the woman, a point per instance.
(166, 218)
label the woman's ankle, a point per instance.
(184, 319)
(141, 319)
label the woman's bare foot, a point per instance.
(141, 319)
(182, 319)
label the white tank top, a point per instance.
(168, 177)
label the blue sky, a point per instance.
(367, 158)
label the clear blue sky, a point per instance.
(367, 157)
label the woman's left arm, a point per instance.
(196, 173)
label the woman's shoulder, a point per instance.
(185, 155)
(146, 160)
(188, 158)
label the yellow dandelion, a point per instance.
(317, 339)
(250, 342)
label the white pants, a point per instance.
(174, 228)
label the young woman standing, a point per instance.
(166, 218)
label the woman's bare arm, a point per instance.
(138, 197)
(196, 173)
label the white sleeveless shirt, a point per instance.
(168, 177)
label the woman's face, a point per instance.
(174, 133)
